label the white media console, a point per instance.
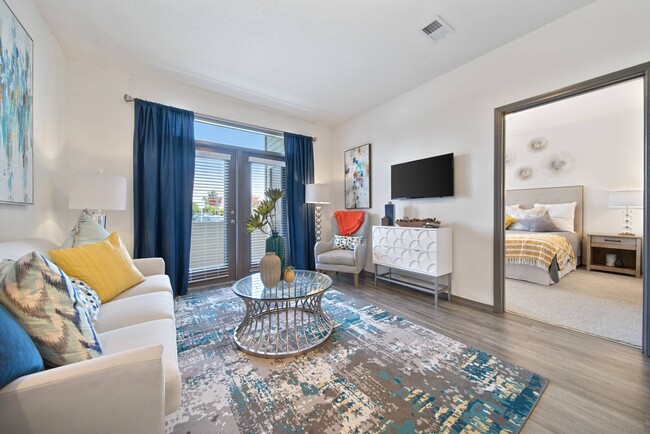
(426, 252)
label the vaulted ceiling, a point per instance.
(324, 61)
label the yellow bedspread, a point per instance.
(538, 249)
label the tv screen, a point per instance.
(429, 177)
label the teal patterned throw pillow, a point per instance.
(346, 243)
(50, 308)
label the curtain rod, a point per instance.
(129, 98)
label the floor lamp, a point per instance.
(320, 195)
(97, 192)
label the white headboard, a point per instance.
(527, 197)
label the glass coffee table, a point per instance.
(283, 321)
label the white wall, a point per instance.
(608, 153)
(41, 219)
(455, 113)
(100, 125)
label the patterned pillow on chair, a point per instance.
(346, 243)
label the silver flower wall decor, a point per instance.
(558, 164)
(525, 173)
(537, 144)
(511, 157)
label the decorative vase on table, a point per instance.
(275, 244)
(270, 270)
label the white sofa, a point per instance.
(129, 389)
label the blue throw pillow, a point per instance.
(18, 354)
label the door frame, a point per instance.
(634, 72)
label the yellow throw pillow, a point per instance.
(105, 266)
(509, 220)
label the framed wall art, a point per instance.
(16, 129)
(357, 177)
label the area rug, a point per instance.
(377, 373)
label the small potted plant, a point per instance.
(264, 218)
(213, 198)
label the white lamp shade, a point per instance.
(317, 193)
(97, 191)
(626, 199)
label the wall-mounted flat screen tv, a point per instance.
(429, 177)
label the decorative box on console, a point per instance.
(426, 252)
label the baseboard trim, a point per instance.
(370, 275)
(471, 303)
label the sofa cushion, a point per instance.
(337, 257)
(157, 283)
(162, 332)
(135, 310)
(85, 231)
(105, 266)
(16, 249)
(18, 354)
(47, 306)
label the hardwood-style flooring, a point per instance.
(596, 386)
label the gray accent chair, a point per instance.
(345, 261)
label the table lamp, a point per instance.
(98, 192)
(318, 194)
(626, 199)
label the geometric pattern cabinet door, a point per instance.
(417, 250)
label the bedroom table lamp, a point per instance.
(320, 195)
(626, 199)
(98, 192)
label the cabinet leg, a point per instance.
(435, 291)
(449, 287)
(375, 276)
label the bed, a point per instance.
(567, 245)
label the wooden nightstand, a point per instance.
(626, 247)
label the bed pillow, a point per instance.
(512, 209)
(105, 266)
(542, 223)
(522, 214)
(562, 214)
(18, 354)
(47, 306)
(85, 231)
(342, 242)
(509, 220)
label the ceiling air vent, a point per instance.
(438, 29)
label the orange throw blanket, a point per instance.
(349, 221)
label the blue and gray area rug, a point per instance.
(378, 373)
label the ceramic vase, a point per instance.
(270, 270)
(275, 244)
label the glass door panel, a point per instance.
(211, 251)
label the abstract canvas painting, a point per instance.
(357, 177)
(16, 139)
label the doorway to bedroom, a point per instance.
(567, 164)
(573, 193)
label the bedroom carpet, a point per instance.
(377, 373)
(602, 304)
